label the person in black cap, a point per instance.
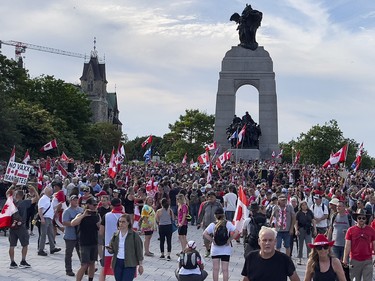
(89, 223)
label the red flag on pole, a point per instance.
(338, 157)
(112, 170)
(26, 158)
(241, 211)
(63, 157)
(40, 178)
(50, 145)
(12, 157)
(147, 141)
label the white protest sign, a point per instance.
(17, 171)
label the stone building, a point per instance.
(94, 83)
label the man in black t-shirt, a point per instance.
(267, 263)
(89, 223)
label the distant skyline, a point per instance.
(163, 57)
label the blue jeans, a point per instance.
(123, 273)
(229, 215)
(283, 236)
(193, 208)
(338, 251)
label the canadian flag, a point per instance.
(40, 178)
(184, 159)
(63, 157)
(211, 146)
(241, 134)
(52, 144)
(6, 213)
(209, 173)
(241, 211)
(358, 158)
(12, 157)
(112, 170)
(147, 141)
(273, 154)
(298, 155)
(204, 158)
(26, 158)
(102, 158)
(62, 171)
(280, 155)
(339, 156)
(222, 158)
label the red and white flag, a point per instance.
(147, 141)
(6, 213)
(26, 158)
(273, 154)
(298, 155)
(184, 159)
(338, 157)
(358, 158)
(241, 134)
(211, 146)
(63, 157)
(209, 173)
(51, 145)
(280, 155)
(102, 159)
(222, 158)
(204, 158)
(241, 211)
(12, 157)
(62, 171)
(40, 178)
(112, 170)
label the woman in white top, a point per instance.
(220, 253)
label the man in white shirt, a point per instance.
(320, 215)
(46, 214)
(230, 203)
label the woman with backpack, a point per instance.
(191, 264)
(220, 234)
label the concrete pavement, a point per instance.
(52, 266)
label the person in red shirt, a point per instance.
(358, 243)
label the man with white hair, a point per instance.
(258, 263)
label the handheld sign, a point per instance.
(17, 171)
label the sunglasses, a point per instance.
(361, 218)
(320, 247)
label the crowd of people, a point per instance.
(112, 220)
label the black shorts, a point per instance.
(149, 232)
(19, 234)
(89, 254)
(221, 257)
(182, 230)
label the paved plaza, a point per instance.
(52, 266)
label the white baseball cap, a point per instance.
(191, 244)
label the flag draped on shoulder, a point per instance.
(26, 158)
(338, 157)
(241, 210)
(12, 157)
(147, 141)
(50, 145)
(6, 213)
(358, 158)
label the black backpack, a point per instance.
(190, 260)
(253, 233)
(221, 235)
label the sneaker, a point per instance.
(24, 264)
(55, 250)
(42, 253)
(207, 255)
(13, 265)
(162, 257)
(168, 258)
(70, 273)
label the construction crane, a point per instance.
(21, 47)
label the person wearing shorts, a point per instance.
(19, 233)
(89, 223)
(182, 213)
(220, 254)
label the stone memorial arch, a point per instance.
(243, 66)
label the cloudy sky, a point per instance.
(164, 56)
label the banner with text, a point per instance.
(17, 171)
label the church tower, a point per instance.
(94, 84)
